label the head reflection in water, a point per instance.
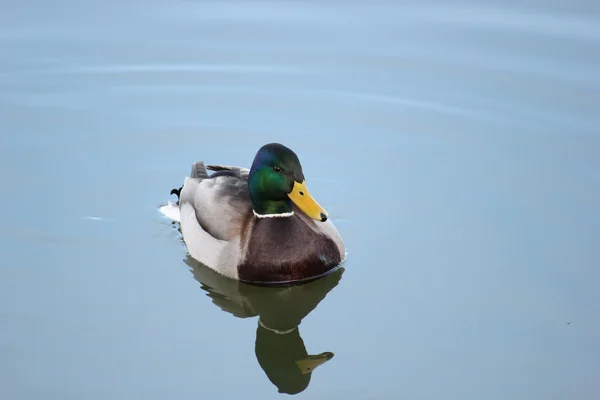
(279, 348)
(285, 360)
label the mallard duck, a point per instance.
(259, 224)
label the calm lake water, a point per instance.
(455, 146)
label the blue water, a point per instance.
(455, 146)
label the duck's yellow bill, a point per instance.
(306, 203)
(308, 364)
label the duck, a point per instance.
(256, 225)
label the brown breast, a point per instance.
(286, 249)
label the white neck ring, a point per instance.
(282, 215)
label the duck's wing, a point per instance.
(220, 202)
(223, 170)
(213, 213)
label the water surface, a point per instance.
(455, 146)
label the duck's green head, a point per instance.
(276, 180)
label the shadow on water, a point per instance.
(279, 347)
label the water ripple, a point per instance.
(169, 68)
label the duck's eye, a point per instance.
(276, 168)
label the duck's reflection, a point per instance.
(279, 348)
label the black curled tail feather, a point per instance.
(198, 171)
(176, 192)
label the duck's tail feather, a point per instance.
(171, 211)
(177, 192)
